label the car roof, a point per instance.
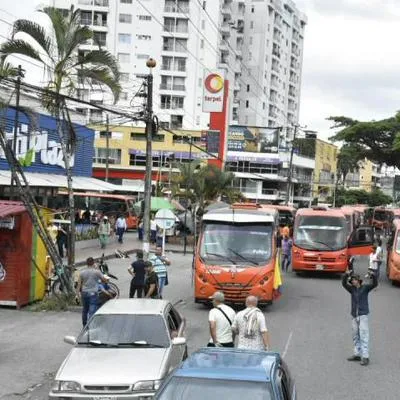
(230, 364)
(134, 306)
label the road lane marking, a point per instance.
(287, 344)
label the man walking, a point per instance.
(87, 289)
(286, 252)
(104, 231)
(120, 227)
(151, 283)
(160, 263)
(359, 312)
(137, 270)
(251, 327)
(220, 319)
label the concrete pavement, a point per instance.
(91, 248)
(310, 325)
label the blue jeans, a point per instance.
(120, 233)
(161, 284)
(361, 336)
(90, 305)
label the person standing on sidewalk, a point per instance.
(87, 289)
(151, 283)
(160, 263)
(251, 327)
(120, 227)
(359, 311)
(153, 230)
(220, 319)
(137, 270)
(104, 232)
(379, 257)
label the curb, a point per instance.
(112, 255)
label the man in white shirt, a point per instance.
(251, 327)
(379, 257)
(120, 227)
(220, 319)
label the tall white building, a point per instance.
(259, 44)
(273, 39)
(186, 37)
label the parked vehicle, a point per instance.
(382, 218)
(321, 241)
(286, 215)
(393, 253)
(221, 373)
(124, 352)
(236, 253)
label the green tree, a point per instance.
(57, 51)
(378, 141)
(347, 161)
(353, 196)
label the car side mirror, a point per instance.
(178, 341)
(70, 340)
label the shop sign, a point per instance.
(213, 91)
(7, 223)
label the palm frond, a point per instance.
(60, 27)
(7, 70)
(75, 38)
(17, 46)
(100, 57)
(102, 75)
(36, 32)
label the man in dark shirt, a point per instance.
(151, 284)
(137, 270)
(359, 311)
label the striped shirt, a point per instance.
(159, 266)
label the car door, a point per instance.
(361, 241)
(176, 330)
(285, 385)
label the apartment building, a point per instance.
(367, 177)
(185, 37)
(274, 41)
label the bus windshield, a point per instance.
(285, 218)
(314, 232)
(380, 215)
(236, 243)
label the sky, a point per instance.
(351, 58)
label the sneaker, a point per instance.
(354, 358)
(364, 361)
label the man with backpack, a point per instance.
(220, 319)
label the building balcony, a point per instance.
(184, 30)
(177, 9)
(169, 86)
(226, 10)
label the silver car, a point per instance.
(124, 352)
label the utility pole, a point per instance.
(16, 123)
(187, 198)
(107, 147)
(289, 180)
(150, 63)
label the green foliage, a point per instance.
(374, 198)
(61, 303)
(379, 141)
(347, 161)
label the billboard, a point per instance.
(268, 140)
(213, 91)
(213, 139)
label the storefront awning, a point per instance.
(60, 181)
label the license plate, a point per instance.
(319, 267)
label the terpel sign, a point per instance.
(213, 91)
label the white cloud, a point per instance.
(351, 61)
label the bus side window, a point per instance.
(391, 239)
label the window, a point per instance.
(248, 88)
(142, 56)
(126, 1)
(100, 156)
(251, 24)
(202, 43)
(251, 40)
(203, 24)
(180, 64)
(125, 18)
(124, 57)
(100, 38)
(252, 9)
(86, 17)
(176, 121)
(143, 37)
(125, 38)
(144, 17)
(247, 104)
(124, 77)
(181, 45)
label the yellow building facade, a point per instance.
(367, 177)
(325, 169)
(127, 147)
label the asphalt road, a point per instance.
(310, 325)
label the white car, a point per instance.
(124, 352)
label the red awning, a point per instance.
(9, 208)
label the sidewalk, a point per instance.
(91, 248)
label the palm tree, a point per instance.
(57, 50)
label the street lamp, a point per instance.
(150, 63)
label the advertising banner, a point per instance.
(213, 91)
(213, 139)
(268, 139)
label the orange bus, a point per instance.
(393, 253)
(382, 218)
(110, 205)
(353, 218)
(286, 215)
(236, 254)
(321, 241)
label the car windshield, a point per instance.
(349, 218)
(285, 218)
(380, 215)
(236, 243)
(125, 330)
(320, 233)
(183, 388)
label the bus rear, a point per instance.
(236, 254)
